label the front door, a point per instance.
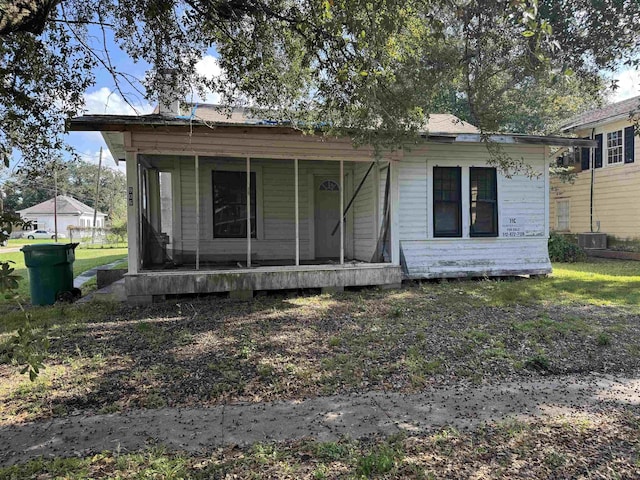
(327, 216)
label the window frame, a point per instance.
(232, 164)
(458, 233)
(619, 147)
(568, 220)
(495, 232)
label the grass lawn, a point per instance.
(85, 260)
(108, 358)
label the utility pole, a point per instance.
(95, 204)
(55, 202)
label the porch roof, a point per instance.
(120, 123)
(440, 128)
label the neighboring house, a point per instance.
(70, 212)
(238, 204)
(603, 197)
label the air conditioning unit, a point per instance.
(592, 241)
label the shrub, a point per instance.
(562, 250)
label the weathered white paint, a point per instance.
(285, 226)
(341, 212)
(364, 208)
(197, 185)
(521, 245)
(412, 176)
(276, 208)
(297, 210)
(133, 212)
(241, 142)
(248, 187)
(473, 257)
(394, 199)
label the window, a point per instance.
(447, 217)
(330, 186)
(230, 204)
(562, 215)
(484, 202)
(614, 147)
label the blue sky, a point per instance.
(102, 97)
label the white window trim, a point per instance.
(228, 167)
(606, 148)
(557, 222)
(465, 185)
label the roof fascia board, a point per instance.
(105, 124)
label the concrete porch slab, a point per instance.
(262, 278)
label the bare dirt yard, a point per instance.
(206, 352)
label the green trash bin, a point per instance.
(50, 271)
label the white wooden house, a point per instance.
(238, 204)
(70, 213)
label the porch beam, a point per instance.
(341, 210)
(248, 211)
(197, 167)
(133, 212)
(297, 207)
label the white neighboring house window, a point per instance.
(562, 215)
(614, 147)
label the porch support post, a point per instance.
(394, 199)
(341, 212)
(297, 207)
(133, 212)
(248, 211)
(197, 166)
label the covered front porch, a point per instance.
(213, 223)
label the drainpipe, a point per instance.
(593, 172)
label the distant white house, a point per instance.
(70, 211)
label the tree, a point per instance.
(374, 68)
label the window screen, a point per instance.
(230, 204)
(484, 202)
(447, 202)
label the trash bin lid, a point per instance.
(44, 247)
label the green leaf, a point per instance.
(528, 33)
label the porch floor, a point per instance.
(177, 282)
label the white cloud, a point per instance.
(106, 101)
(209, 67)
(88, 144)
(628, 84)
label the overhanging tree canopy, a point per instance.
(372, 67)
